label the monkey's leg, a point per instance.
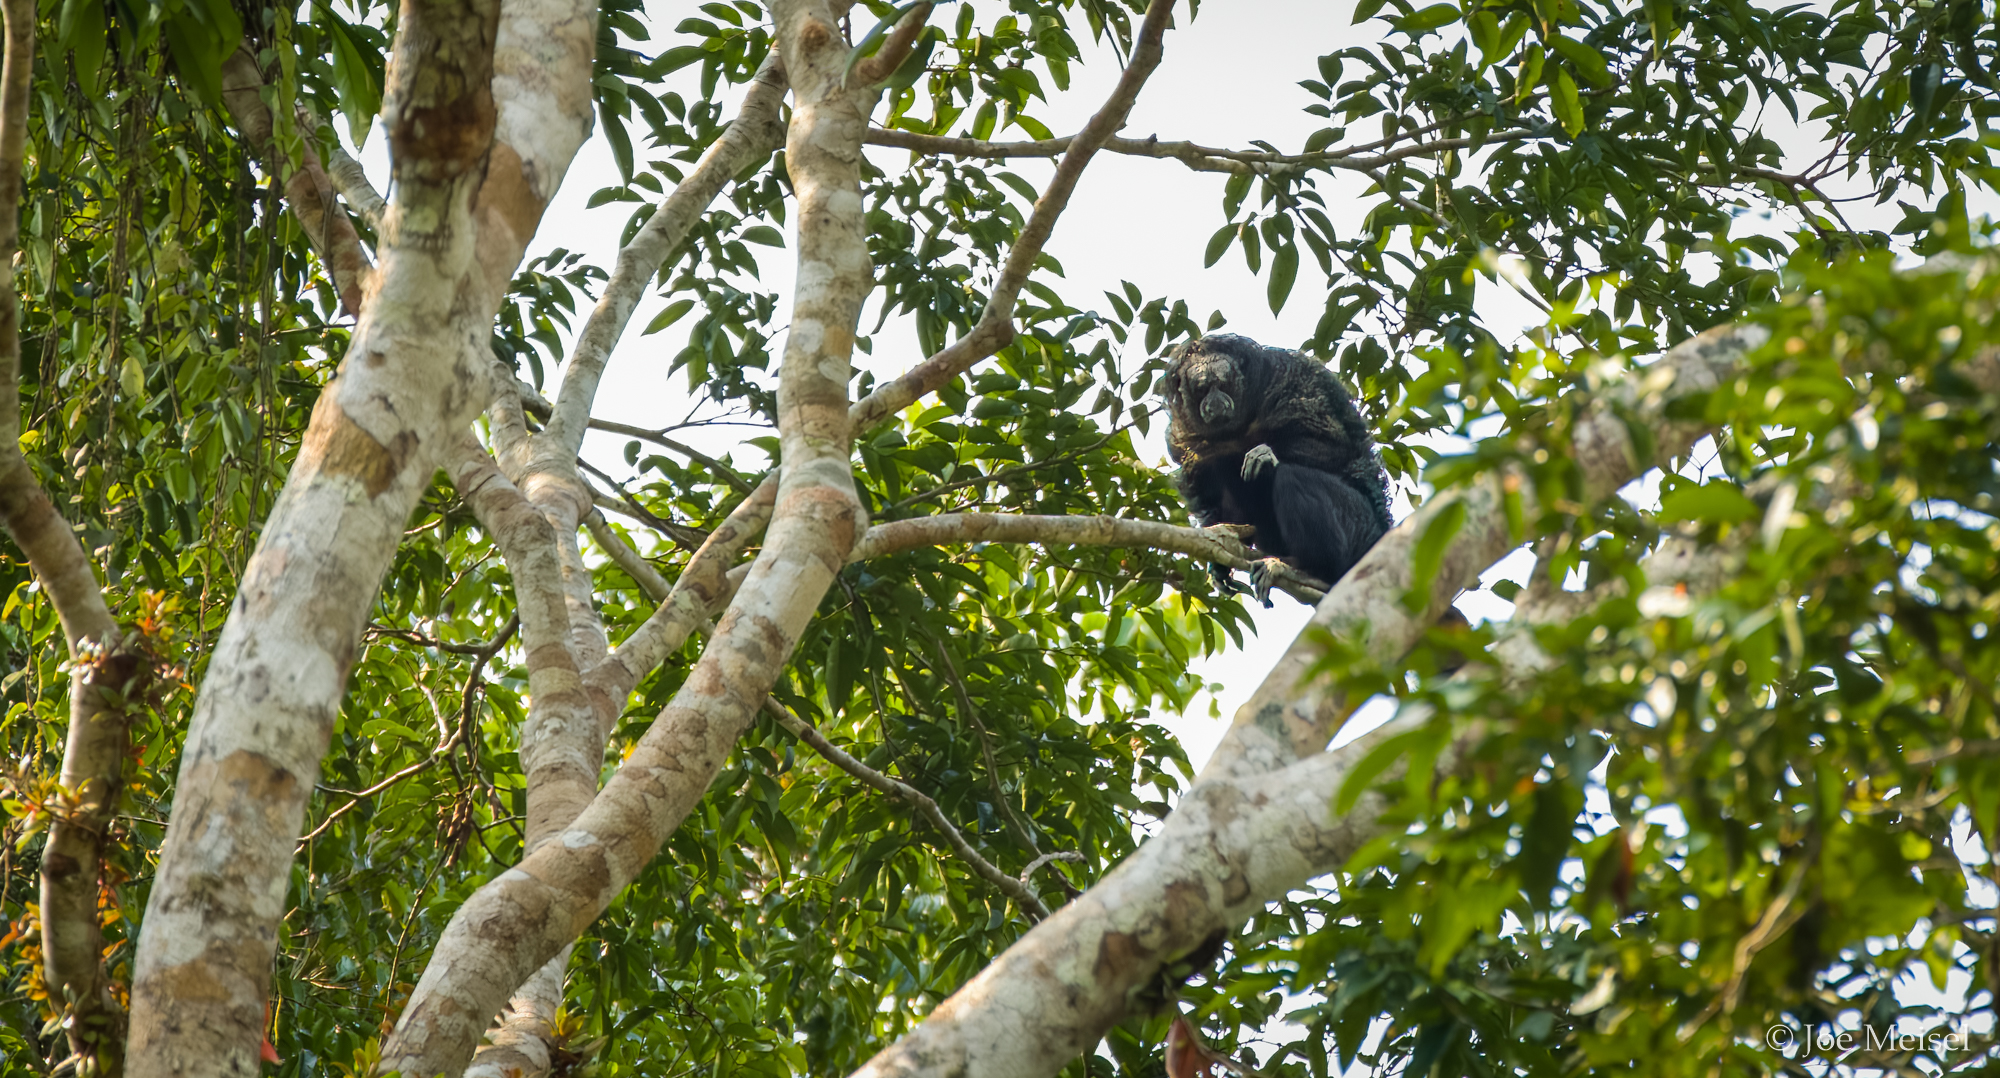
(1325, 523)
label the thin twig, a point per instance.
(1197, 157)
(626, 505)
(659, 437)
(949, 671)
(481, 653)
(1008, 885)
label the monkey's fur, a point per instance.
(1267, 437)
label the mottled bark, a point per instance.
(416, 373)
(1255, 823)
(94, 751)
(526, 916)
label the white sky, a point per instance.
(1227, 78)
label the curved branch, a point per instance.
(308, 191)
(1013, 887)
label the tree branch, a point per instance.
(1219, 544)
(621, 554)
(753, 135)
(1196, 157)
(995, 329)
(103, 666)
(1289, 718)
(524, 918)
(351, 180)
(659, 437)
(1013, 887)
(307, 190)
(896, 49)
(1254, 824)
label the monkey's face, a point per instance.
(1211, 393)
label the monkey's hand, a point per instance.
(1258, 461)
(1225, 583)
(1262, 576)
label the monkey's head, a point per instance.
(1208, 388)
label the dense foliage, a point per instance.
(1712, 813)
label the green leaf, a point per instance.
(1719, 501)
(1428, 19)
(1371, 765)
(1564, 102)
(1284, 270)
(764, 235)
(1218, 245)
(360, 91)
(1428, 557)
(672, 313)
(1366, 9)
(872, 41)
(1531, 73)
(1588, 61)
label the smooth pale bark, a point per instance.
(529, 914)
(416, 373)
(754, 135)
(564, 734)
(1256, 823)
(94, 750)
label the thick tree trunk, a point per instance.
(94, 752)
(417, 372)
(518, 922)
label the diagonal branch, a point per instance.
(1291, 717)
(621, 554)
(752, 136)
(484, 108)
(1011, 886)
(1255, 824)
(308, 191)
(995, 329)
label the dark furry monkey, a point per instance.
(1267, 437)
